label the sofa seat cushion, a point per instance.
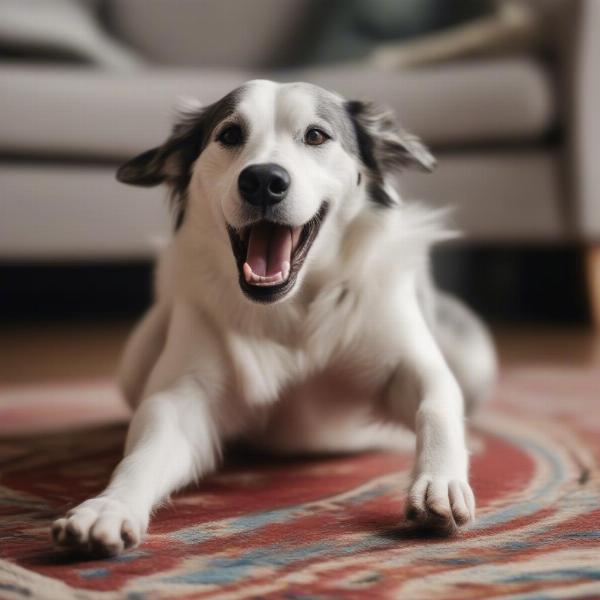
(503, 196)
(67, 212)
(93, 114)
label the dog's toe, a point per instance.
(105, 535)
(101, 526)
(458, 503)
(128, 535)
(440, 504)
(58, 531)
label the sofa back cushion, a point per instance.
(211, 33)
(58, 31)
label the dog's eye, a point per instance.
(315, 137)
(231, 136)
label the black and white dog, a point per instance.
(293, 309)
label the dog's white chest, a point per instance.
(337, 348)
(267, 372)
(262, 368)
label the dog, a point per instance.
(294, 310)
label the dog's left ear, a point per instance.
(382, 145)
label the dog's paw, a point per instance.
(440, 504)
(100, 526)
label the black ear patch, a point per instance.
(382, 145)
(171, 162)
(145, 170)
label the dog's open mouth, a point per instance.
(270, 255)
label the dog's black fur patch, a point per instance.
(172, 161)
(384, 147)
(366, 144)
(378, 194)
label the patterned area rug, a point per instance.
(318, 528)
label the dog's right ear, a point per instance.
(146, 169)
(170, 162)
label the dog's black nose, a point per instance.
(264, 184)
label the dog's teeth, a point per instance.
(248, 272)
(252, 278)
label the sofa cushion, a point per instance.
(212, 33)
(83, 213)
(505, 196)
(61, 213)
(58, 29)
(90, 114)
(456, 104)
(99, 115)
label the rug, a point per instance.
(315, 528)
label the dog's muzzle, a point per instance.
(269, 255)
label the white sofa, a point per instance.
(516, 136)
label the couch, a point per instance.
(515, 133)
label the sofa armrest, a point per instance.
(585, 133)
(512, 28)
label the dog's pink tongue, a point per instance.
(269, 249)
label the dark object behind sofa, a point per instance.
(517, 284)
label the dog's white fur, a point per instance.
(362, 345)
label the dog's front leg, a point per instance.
(171, 441)
(425, 396)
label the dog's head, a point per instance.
(273, 164)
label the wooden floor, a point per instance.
(60, 351)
